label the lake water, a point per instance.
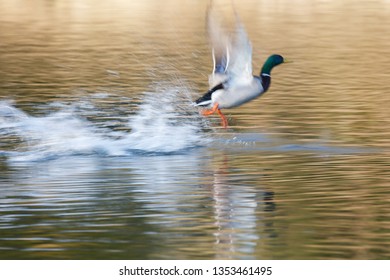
(102, 155)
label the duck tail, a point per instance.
(206, 100)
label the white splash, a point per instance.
(162, 126)
(165, 122)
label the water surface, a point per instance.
(102, 155)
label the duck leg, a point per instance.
(211, 111)
(216, 109)
(223, 117)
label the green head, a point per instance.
(271, 62)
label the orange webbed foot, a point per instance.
(211, 111)
(216, 109)
(224, 119)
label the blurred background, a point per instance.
(102, 155)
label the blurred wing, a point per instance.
(220, 46)
(240, 68)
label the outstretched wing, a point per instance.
(231, 52)
(220, 48)
(240, 68)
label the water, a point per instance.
(102, 155)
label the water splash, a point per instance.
(165, 122)
(162, 125)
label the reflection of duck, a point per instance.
(219, 211)
(232, 83)
(238, 211)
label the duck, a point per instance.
(231, 83)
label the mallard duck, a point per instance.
(231, 81)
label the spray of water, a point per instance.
(164, 123)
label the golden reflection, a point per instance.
(322, 193)
(238, 207)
